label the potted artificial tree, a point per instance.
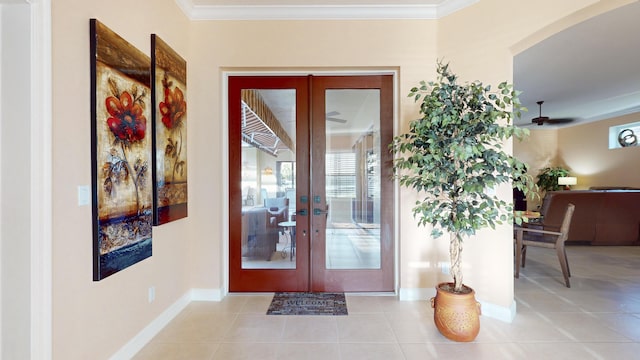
(453, 154)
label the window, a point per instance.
(341, 175)
(625, 135)
(286, 175)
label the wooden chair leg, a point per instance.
(524, 254)
(566, 262)
(562, 257)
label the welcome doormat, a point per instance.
(304, 303)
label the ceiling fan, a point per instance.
(540, 120)
(330, 117)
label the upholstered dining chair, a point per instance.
(546, 238)
(278, 207)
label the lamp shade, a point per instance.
(567, 180)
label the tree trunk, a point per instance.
(455, 252)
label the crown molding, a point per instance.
(612, 114)
(448, 7)
(322, 12)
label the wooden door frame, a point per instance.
(252, 72)
(256, 280)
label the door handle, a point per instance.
(303, 212)
(317, 211)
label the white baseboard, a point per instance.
(506, 314)
(414, 294)
(136, 344)
(207, 295)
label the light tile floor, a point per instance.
(598, 318)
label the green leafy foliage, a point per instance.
(453, 154)
(548, 178)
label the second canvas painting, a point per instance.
(169, 81)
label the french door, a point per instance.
(310, 189)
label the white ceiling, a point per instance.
(589, 72)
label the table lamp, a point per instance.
(567, 181)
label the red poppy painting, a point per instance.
(121, 152)
(169, 86)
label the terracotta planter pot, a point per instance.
(457, 316)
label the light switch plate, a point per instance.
(152, 294)
(83, 195)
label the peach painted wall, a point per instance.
(584, 150)
(295, 45)
(479, 42)
(477, 49)
(92, 320)
(95, 319)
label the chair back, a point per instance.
(276, 202)
(566, 223)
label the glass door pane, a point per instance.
(268, 178)
(352, 179)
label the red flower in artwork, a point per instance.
(173, 107)
(126, 120)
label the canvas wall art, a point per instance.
(121, 152)
(169, 93)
